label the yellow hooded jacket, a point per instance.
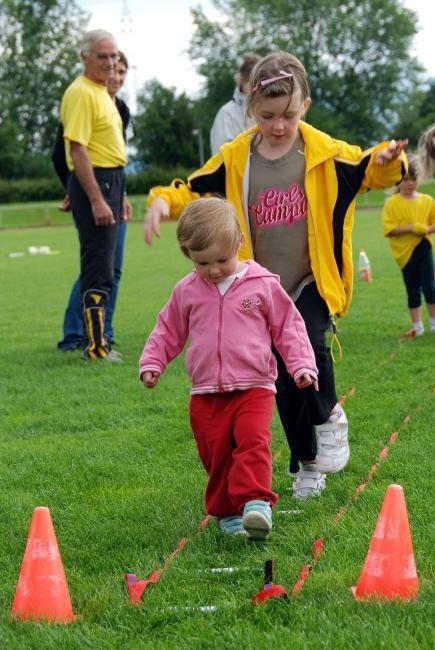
(335, 173)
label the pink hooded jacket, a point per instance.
(230, 335)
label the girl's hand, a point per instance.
(150, 379)
(306, 380)
(158, 211)
(392, 152)
(420, 229)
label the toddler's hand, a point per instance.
(392, 152)
(306, 380)
(150, 379)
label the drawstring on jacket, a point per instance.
(334, 343)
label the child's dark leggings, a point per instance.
(300, 409)
(418, 275)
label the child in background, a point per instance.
(232, 312)
(294, 191)
(409, 220)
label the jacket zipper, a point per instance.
(219, 343)
(219, 336)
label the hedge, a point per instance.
(30, 189)
(46, 189)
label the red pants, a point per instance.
(232, 433)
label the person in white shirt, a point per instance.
(231, 118)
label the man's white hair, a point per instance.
(92, 37)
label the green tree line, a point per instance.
(365, 84)
(39, 42)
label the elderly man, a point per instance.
(96, 157)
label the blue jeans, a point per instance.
(73, 336)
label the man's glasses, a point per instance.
(107, 57)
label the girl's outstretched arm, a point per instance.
(392, 152)
(158, 211)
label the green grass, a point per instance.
(118, 469)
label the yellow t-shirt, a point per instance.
(90, 117)
(400, 211)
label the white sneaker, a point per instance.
(308, 483)
(332, 443)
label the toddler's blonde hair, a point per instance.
(205, 221)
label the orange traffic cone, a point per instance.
(389, 570)
(42, 590)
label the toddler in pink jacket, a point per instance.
(231, 312)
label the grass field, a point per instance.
(118, 469)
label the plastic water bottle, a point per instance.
(364, 268)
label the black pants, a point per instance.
(418, 275)
(97, 252)
(300, 409)
(97, 243)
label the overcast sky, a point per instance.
(156, 33)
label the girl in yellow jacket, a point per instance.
(294, 190)
(409, 220)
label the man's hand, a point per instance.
(102, 212)
(84, 171)
(158, 211)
